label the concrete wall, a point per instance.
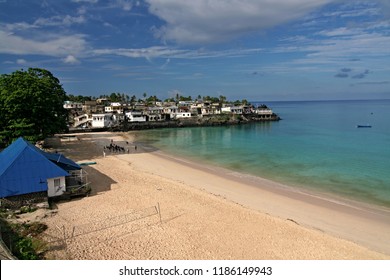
(53, 190)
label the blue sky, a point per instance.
(259, 50)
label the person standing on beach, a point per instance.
(104, 153)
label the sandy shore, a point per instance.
(148, 205)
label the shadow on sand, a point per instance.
(89, 147)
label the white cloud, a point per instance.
(353, 9)
(42, 22)
(203, 21)
(59, 20)
(148, 53)
(88, 1)
(342, 31)
(51, 45)
(64, 45)
(385, 7)
(70, 59)
(21, 61)
(358, 49)
(18, 26)
(354, 45)
(167, 52)
(124, 4)
(167, 61)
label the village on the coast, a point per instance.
(136, 206)
(152, 138)
(52, 176)
(104, 114)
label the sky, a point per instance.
(258, 50)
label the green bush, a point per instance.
(24, 249)
(27, 209)
(23, 239)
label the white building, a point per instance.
(181, 115)
(82, 121)
(155, 114)
(135, 116)
(114, 107)
(102, 120)
(232, 109)
(56, 186)
(73, 105)
(171, 111)
(264, 113)
(186, 103)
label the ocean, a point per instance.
(316, 147)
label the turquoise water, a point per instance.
(316, 146)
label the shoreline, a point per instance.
(293, 203)
(277, 187)
(320, 189)
(297, 225)
(252, 179)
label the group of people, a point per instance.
(116, 148)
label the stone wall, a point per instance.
(17, 201)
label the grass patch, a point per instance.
(23, 239)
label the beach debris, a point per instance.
(291, 220)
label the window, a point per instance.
(57, 183)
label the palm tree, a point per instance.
(222, 99)
(133, 100)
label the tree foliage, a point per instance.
(79, 98)
(31, 105)
(119, 97)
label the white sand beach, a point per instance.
(148, 205)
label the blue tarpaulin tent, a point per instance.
(61, 161)
(25, 169)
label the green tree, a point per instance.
(114, 97)
(153, 98)
(170, 99)
(183, 98)
(133, 100)
(245, 102)
(222, 99)
(31, 105)
(79, 98)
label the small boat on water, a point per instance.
(363, 125)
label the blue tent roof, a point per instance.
(24, 169)
(61, 161)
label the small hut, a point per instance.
(27, 172)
